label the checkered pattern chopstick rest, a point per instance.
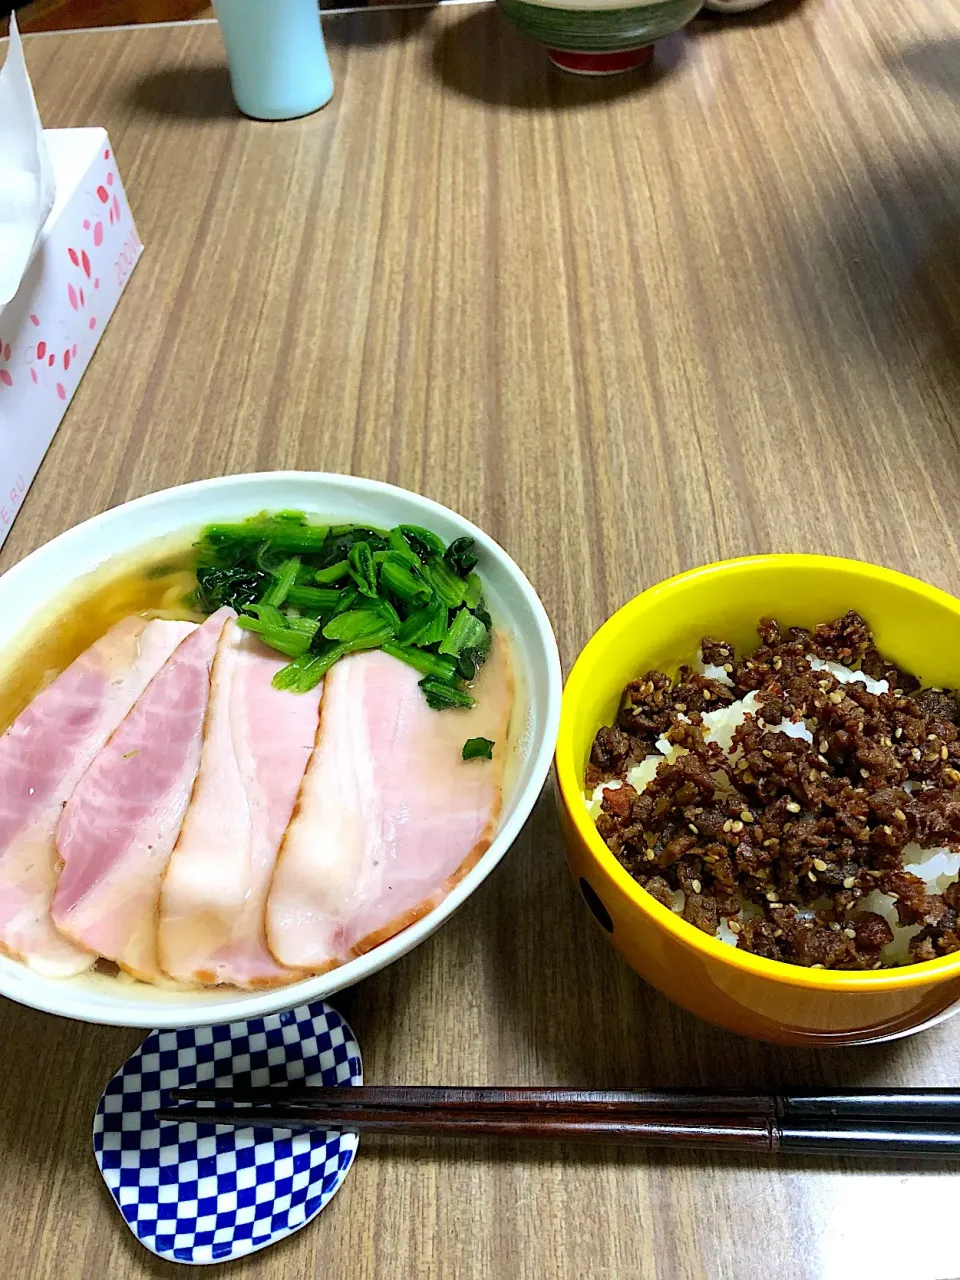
(200, 1194)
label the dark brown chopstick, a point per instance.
(744, 1134)
(852, 1104)
(916, 1122)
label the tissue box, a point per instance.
(51, 326)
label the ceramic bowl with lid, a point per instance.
(599, 37)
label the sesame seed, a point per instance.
(811, 877)
(816, 966)
(931, 737)
(834, 926)
(777, 664)
(814, 775)
(864, 773)
(850, 882)
(944, 753)
(771, 843)
(792, 806)
(888, 831)
(707, 695)
(737, 828)
(728, 667)
(899, 815)
(849, 933)
(819, 864)
(775, 906)
(894, 897)
(823, 745)
(898, 733)
(836, 697)
(771, 895)
(728, 825)
(915, 753)
(650, 855)
(694, 829)
(734, 926)
(695, 886)
(746, 815)
(951, 775)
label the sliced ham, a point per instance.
(120, 825)
(43, 756)
(389, 815)
(256, 746)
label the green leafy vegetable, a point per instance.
(277, 592)
(425, 626)
(444, 581)
(402, 580)
(284, 639)
(356, 624)
(473, 593)
(284, 534)
(478, 749)
(459, 556)
(305, 673)
(332, 573)
(341, 539)
(362, 569)
(234, 587)
(318, 599)
(423, 541)
(466, 632)
(317, 594)
(422, 660)
(441, 696)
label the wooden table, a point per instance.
(627, 326)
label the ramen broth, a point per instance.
(155, 580)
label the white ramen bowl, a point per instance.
(30, 588)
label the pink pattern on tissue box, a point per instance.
(50, 329)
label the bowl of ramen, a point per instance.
(599, 37)
(759, 769)
(263, 734)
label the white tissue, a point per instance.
(27, 187)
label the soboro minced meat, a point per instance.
(800, 824)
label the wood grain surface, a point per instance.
(627, 326)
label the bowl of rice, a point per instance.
(758, 769)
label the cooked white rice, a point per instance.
(845, 675)
(938, 867)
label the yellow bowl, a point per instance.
(916, 625)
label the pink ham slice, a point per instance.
(120, 825)
(256, 746)
(43, 756)
(389, 816)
